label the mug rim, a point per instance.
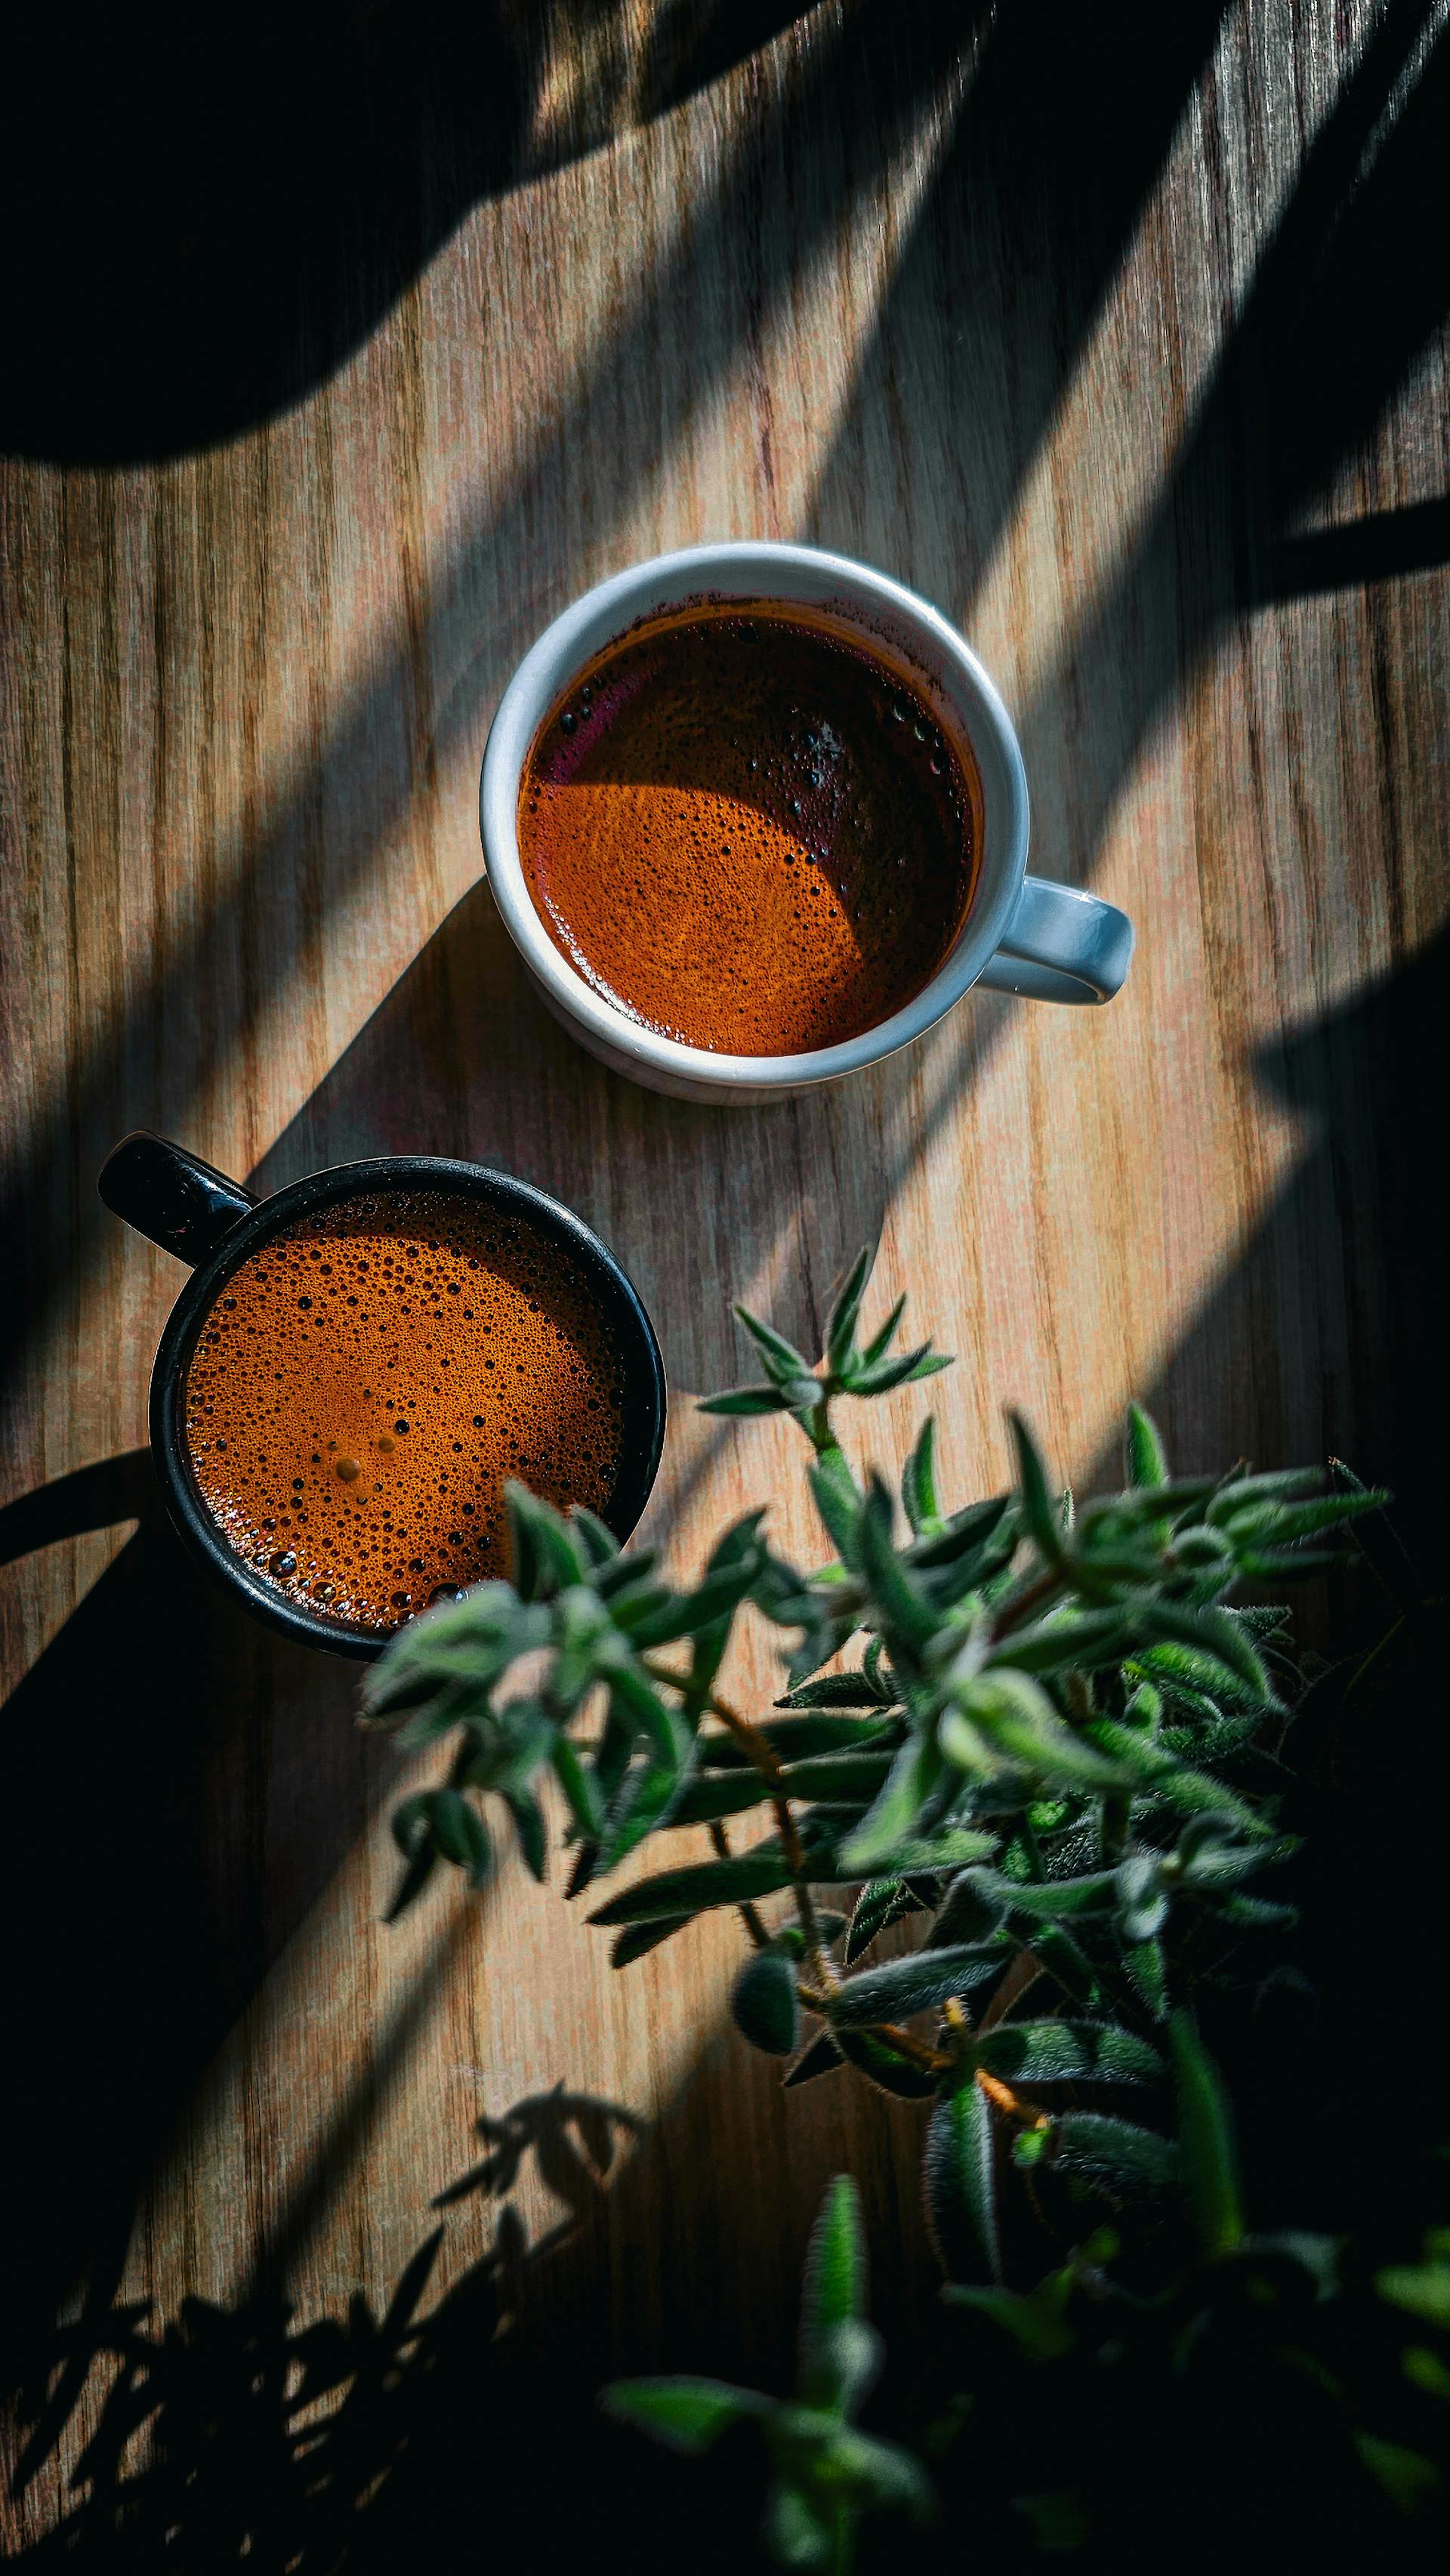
(194, 1521)
(544, 672)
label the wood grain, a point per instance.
(1095, 334)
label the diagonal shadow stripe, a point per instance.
(856, 73)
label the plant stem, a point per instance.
(818, 1428)
(767, 1761)
(1026, 1602)
(932, 2061)
(748, 1913)
(1006, 2100)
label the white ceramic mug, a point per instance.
(1021, 934)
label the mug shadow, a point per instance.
(698, 1202)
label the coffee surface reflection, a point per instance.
(747, 832)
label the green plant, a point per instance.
(1039, 1730)
(1049, 1747)
(826, 2472)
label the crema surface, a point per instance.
(367, 1380)
(747, 832)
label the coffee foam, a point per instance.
(747, 832)
(368, 1378)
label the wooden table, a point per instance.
(1118, 334)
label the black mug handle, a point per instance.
(180, 1202)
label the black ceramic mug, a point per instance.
(212, 1222)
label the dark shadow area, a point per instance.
(694, 1201)
(1062, 136)
(251, 2434)
(821, 137)
(92, 1498)
(182, 1786)
(1384, 545)
(1353, 284)
(1328, 1334)
(204, 217)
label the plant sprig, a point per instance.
(1046, 1746)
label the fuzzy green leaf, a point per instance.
(906, 1370)
(961, 2186)
(1143, 1460)
(1039, 1512)
(1006, 1717)
(906, 1616)
(912, 1985)
(1282, 1485)
(970, 1911)
(950, 1848)
(1146, 1966)
(1284, 1524)
(1081, 1640)
(709, 1795)
(742, 1400)
(1048, 1900)
(882, 1901)
(834, 2291)
(1115, 2156)
(885, 2067)
(765, 2005)
(647, 1794)
(460, 1833)
(528, 1818)
(784, 1364)
(1061, 2052)
(833, 1690)
(918, 1482)
(693, 1889)
(892, 1818)
(845, 1313)
(547, 1556)
(685, 2414)
(837, 1500)
(598, 1541)
(1153, 1765)
(1215, 1632)
(820, 2057)
(1205, 2130)
(640, 1938)
(740, 1544)
(801, 1737)
(882, 1339)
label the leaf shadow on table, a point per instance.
(215, 215)
(253, 2432)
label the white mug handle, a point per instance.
(1061, 946)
